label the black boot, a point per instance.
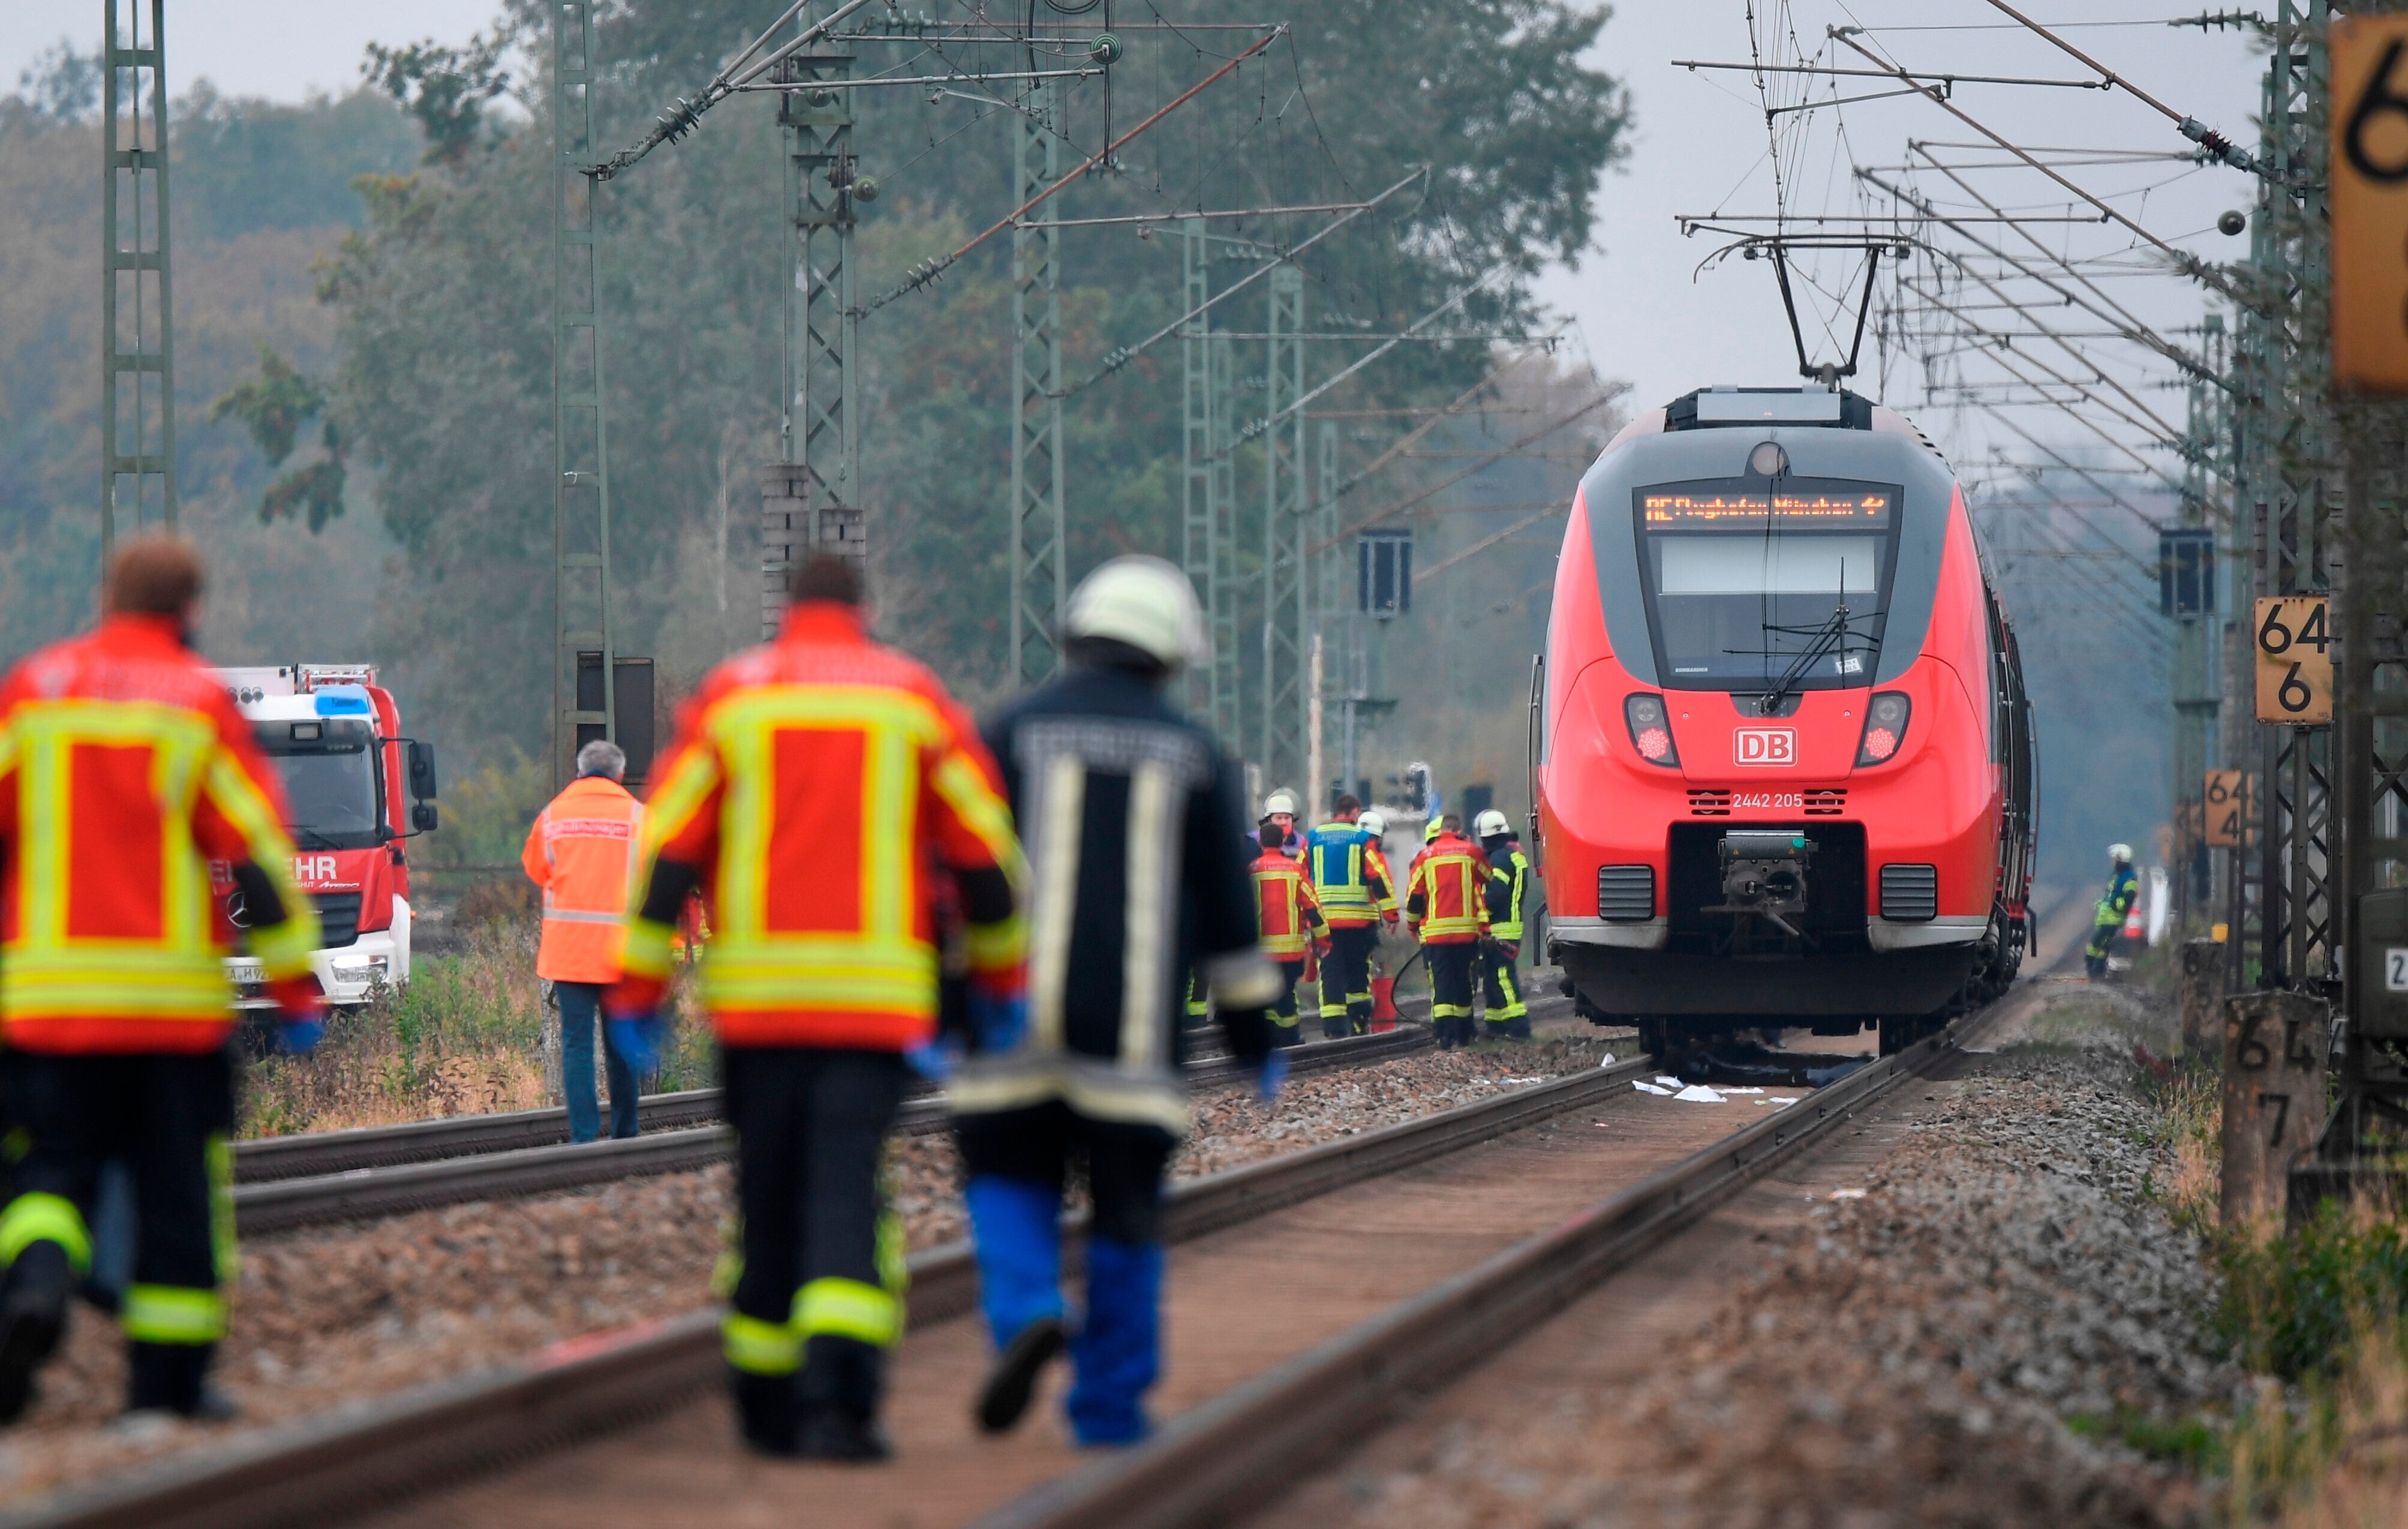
(767, 1413)
(33, 1313)
(174, 1377)
(841, 1381)
(1012, 1383)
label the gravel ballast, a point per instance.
(326, 1315)
(1966, 1337)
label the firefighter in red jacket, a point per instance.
(816, 786)
(1445, 907)
(126, 773)
(1288, 919)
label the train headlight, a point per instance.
(1884, 728)
(1651, 730)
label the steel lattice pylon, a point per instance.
(1323, 576)
(1286, 591)
(134, 264)
(2286, 491)
(1222, 494)
(1039, 571)
(2197, 636)
(580, 488)
(1197, 543)
(811, 501)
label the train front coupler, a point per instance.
(1764, 875)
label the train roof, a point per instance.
(1812, 406)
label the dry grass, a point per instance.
(465, 1036)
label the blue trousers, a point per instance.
(1016, 1164)
(581, 1014)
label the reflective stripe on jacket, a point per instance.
(124, 771)
(582, 851)
(1508, 885)
(1287, 913)
(2123, 890)
(1444, 905)
(814, 784)
(1350, 875)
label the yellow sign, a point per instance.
(2370, 203)
(2226, 806)
(2295, 672)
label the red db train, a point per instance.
(1782, 757)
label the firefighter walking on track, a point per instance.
(1508, 890)
(582, 851)
(1447, 909)
(125, 772)
(1288, 920)
(1350, 880)
(814, 784)
(1132, 816)
(2115, 906)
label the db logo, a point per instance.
(1765, 746)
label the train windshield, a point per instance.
(330, 780)
(1759, 585)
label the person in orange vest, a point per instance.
(1288, 919)
(817, 788)
(582, 851)
(125, 772)
(1446, 909)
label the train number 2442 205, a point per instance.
(1775, 800)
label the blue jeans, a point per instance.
(581, 1014)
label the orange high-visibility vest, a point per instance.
(124, 771)
(815, 783)
(581, 852)
(1287, 915)
(1444, 905)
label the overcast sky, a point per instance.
(1699, 146)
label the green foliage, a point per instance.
(274, 408)
(446, 89)
(245, 165)
(60, 86)
(2193, 1443)
(486, 813)
(2293, 1303)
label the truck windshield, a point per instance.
(1757, 586)
(330, 780)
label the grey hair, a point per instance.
(602, 758)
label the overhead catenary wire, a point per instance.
(928, 270)
(2188, 264)
(2190, 127)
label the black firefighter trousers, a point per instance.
(166, 1117)
(819, 1297)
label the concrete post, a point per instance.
(2274, 1046)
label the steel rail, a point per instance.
(364, 1457)
(305, 1154)
(284, 1204)
(1239, 1451)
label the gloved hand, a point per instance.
(997, 1019)
(639, 1038)
(931, 1059)
(1512, 950)
(1389, 918)
(302, 1010)
(1271, 1076)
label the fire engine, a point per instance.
(356, 788)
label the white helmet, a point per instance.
(2120, 854)
(1279, 801)
(1373, 822)
(1491, 824)
(1144, 602)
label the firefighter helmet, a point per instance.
(1278, 802)
(1373, 822)
(1144, 602)
(1492, 825)
(2120, 854)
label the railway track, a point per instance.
(347, 1463)
(1222, 1452)
(285, 1183)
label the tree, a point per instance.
(445, 88)
(273, 407)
